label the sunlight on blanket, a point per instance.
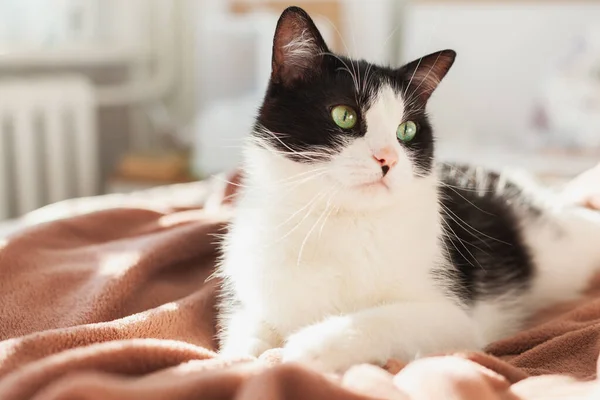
(117, 264)
(172, 306)
(180, 218)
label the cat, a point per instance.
(350, 244)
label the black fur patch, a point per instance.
(483, 236)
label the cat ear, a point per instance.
(298, 47)
(426, 73)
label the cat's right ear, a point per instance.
(426, 73)
(298, 47)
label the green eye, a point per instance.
(344, 117)
(406, 131)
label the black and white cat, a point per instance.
(350, 245)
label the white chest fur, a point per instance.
(296, 273)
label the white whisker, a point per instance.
(467, 200)
(347, 68)
(325, 221)
(314, 201)
(429, 41)
(459, 252)
(466, 226)
(317, 155)
(311, 231)
(434, 82)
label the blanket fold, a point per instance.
(115, 302)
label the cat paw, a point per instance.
(327, 347)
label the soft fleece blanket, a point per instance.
(113, 302)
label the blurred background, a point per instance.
(107, 96)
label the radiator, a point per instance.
(48, 144)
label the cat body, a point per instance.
(351, 245)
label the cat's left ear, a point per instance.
(425, 74)
(298, 47)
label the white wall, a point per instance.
(372, 28)
(503, 52)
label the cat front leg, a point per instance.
(402, 330)
(244, 334)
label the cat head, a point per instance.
(343, 125)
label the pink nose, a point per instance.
(386, 157)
